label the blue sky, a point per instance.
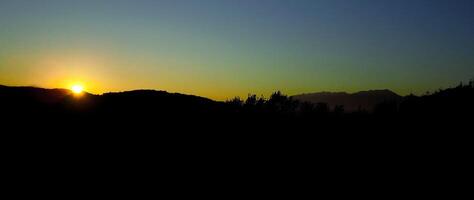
(226, 48)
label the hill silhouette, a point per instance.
(179, 132)
(60, 105)
(140, 106)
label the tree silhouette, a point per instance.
(235, 103)
(137, 107)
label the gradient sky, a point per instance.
(226, 48)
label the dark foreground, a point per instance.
(191, 135)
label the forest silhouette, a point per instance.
(150, 109)
(152, 131)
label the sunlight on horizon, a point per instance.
(77, 89)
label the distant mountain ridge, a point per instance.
(363, 100)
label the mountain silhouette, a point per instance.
(33, 100)
(150, 121)
(363, 100)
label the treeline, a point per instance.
(31, 104)
(281, 105)
(452, 101)
(273, 122)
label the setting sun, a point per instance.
(77, 89)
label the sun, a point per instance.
(77, 89)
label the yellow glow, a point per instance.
(77, 89)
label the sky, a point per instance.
(226, 48)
